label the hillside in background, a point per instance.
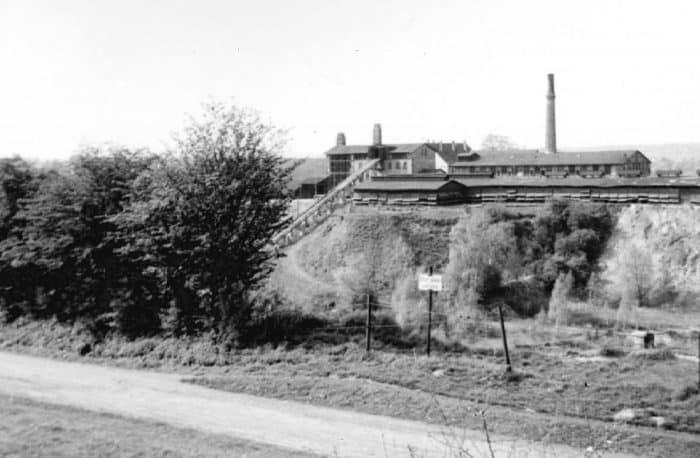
(684, 156)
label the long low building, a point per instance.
(436, 191)
(525, 163)
(442, 190)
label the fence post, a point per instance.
(368, 327)
(698, 360)
(430, 314)
(505, 340)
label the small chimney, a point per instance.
(377, 135)
(454, 146)
(550, 140)
(340, 139)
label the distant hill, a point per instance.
(674, 151)
(683, 156)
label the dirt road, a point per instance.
(162, 397)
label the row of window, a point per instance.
(398, 165)
(532, 170)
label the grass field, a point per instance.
(32, 429)
(567, 385)
(562, 392)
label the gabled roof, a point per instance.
(535, 157)
(364, 149)
(407, 185)
(445, 150)
(579, 182)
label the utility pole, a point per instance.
(430, 314)
(368, 327)
(505, 340)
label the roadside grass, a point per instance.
(568, 381)
(29, 428)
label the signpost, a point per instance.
(505, 340)
(429, 283)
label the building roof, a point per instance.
(537, 158)
(307, 168)
(407, 185)
(578, 182)
(314, 180)
(364, 149)
(430, 176)
(445, 150)
(449, 151)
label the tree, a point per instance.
(497, 142)
(58, 260)
(207, 221)
(481, 251)
(638, 274)
(17, 181)
(559, 302)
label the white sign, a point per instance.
(430, 282)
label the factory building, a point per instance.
(397, 158)
(551, 163)
(531, 163)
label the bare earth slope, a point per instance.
(162, 397)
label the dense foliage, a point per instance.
(128, 242)
(495, 254)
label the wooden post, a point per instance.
(505, 340)
(368, 327)
(430, 314)
(699, 360)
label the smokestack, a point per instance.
(550, 139)
(340, 139)
(377, 135)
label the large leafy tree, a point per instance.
(58, 259)
(17, 181)
(205, 225)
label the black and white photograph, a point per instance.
(350, 228)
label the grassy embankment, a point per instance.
(29, 428)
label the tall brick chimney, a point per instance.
(377, 135)
(340, 139)
(550, 139)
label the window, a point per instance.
(405, 165)
(388, 165)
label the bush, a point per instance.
(686, 392)
(525, 297)
(407, 303)
(610, 351)
(281, 326)
(656, 354)
(558, 311)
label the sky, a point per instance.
(76, 73)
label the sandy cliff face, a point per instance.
(669, 239)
